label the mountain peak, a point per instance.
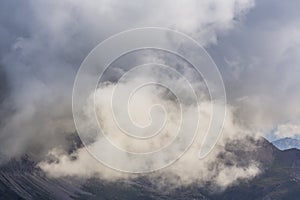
(287, 143)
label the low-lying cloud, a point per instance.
(42, 44)
(187, 170)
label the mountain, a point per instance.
(20, 179)
(287, 143)
(280, 179)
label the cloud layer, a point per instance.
(42, 44)
(187, 170)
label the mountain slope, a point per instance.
(280, 179)
(22, 180)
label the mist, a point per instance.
(43, 43)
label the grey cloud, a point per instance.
(260, 64)
(44, 42)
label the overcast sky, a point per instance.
(255, 44)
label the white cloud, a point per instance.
(46, 41)
(41, 62)
(188, 169)
(288, 130)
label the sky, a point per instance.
(255, 45)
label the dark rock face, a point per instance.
(20, 179)
(261, 151)
(280, 179)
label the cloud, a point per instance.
(187, 170)
(44, 42)
(290, 129)
(260, 65)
